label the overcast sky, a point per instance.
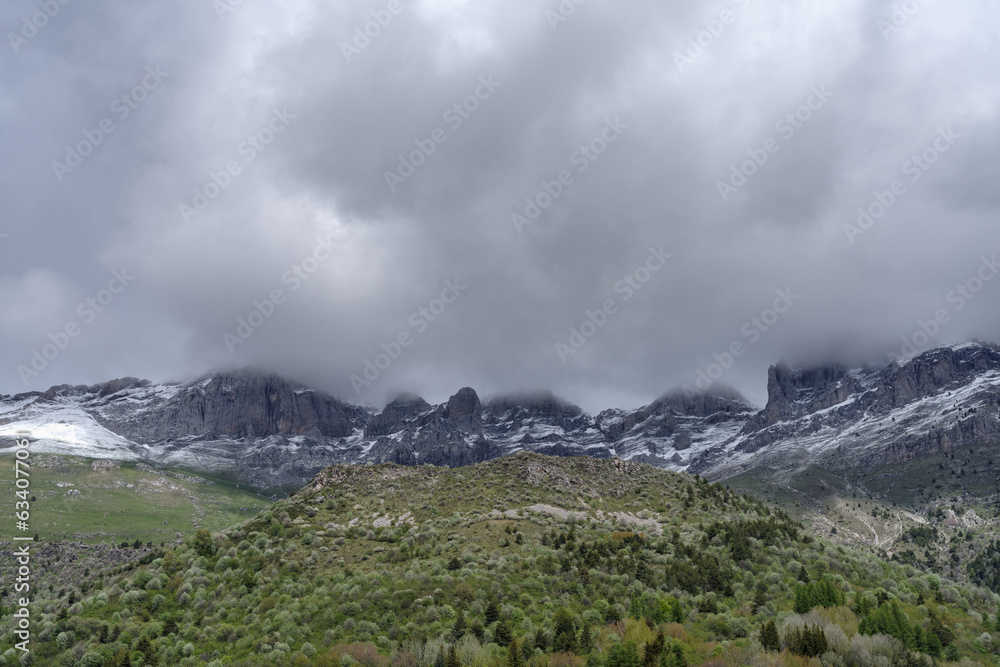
(715, 153)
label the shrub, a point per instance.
(202, 543)
(91, 659)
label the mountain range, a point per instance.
(267, 431)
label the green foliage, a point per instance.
(889, 619)
(492, 613)
(922, 536)
(944, 634)
(809, 641)
(514, 656)
(563, 631)
(202, 543)
(675, 657)
(623, 655)
(769, 638)
(817, 594)
(657, 608)
(932, 645)
(502, 634)
(984, 569)
(653, 650)
(346, 581)
(952, 654)
(112, 508)
(171, 563)
(451, 660)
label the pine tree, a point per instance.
(933, 645)
(623, 655)
(146, 648)
(675, 657)
(119, 658)
(676, 611)
(458, 630)
(803, 601)
(514, 657)
(652, 651)
(171, 563)
(451, 660)
(740, 546)
(759, 598)
(815, 641)
(563, 632)
(793, 641)
(769, 638)
(944, 633)
(502, 634)
(492, 613)
(952, 654)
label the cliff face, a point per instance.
(862, 417)
(269, 431)
(241, 404)
(448, 435)
(396, 415)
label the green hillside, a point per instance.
(937, 513)
(522, 560)
(77, 499)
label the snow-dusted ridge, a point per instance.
(263, 429)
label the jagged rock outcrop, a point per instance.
(115, 386)
(875, 416)
(449, 435)
(543, 423)
(518, 415)
(236, 404)
(270, 432)
(465, 411)
(793, 393)
(672, 430)
(395, 415)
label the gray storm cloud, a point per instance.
(377, 197)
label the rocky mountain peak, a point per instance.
(465, 410)
(274, 430)
(537, 404)
(934, 371)
(792, 393)
(115, 386)
(244, 403)
(394, 416)
(717, 398)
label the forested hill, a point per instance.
(522, 560)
